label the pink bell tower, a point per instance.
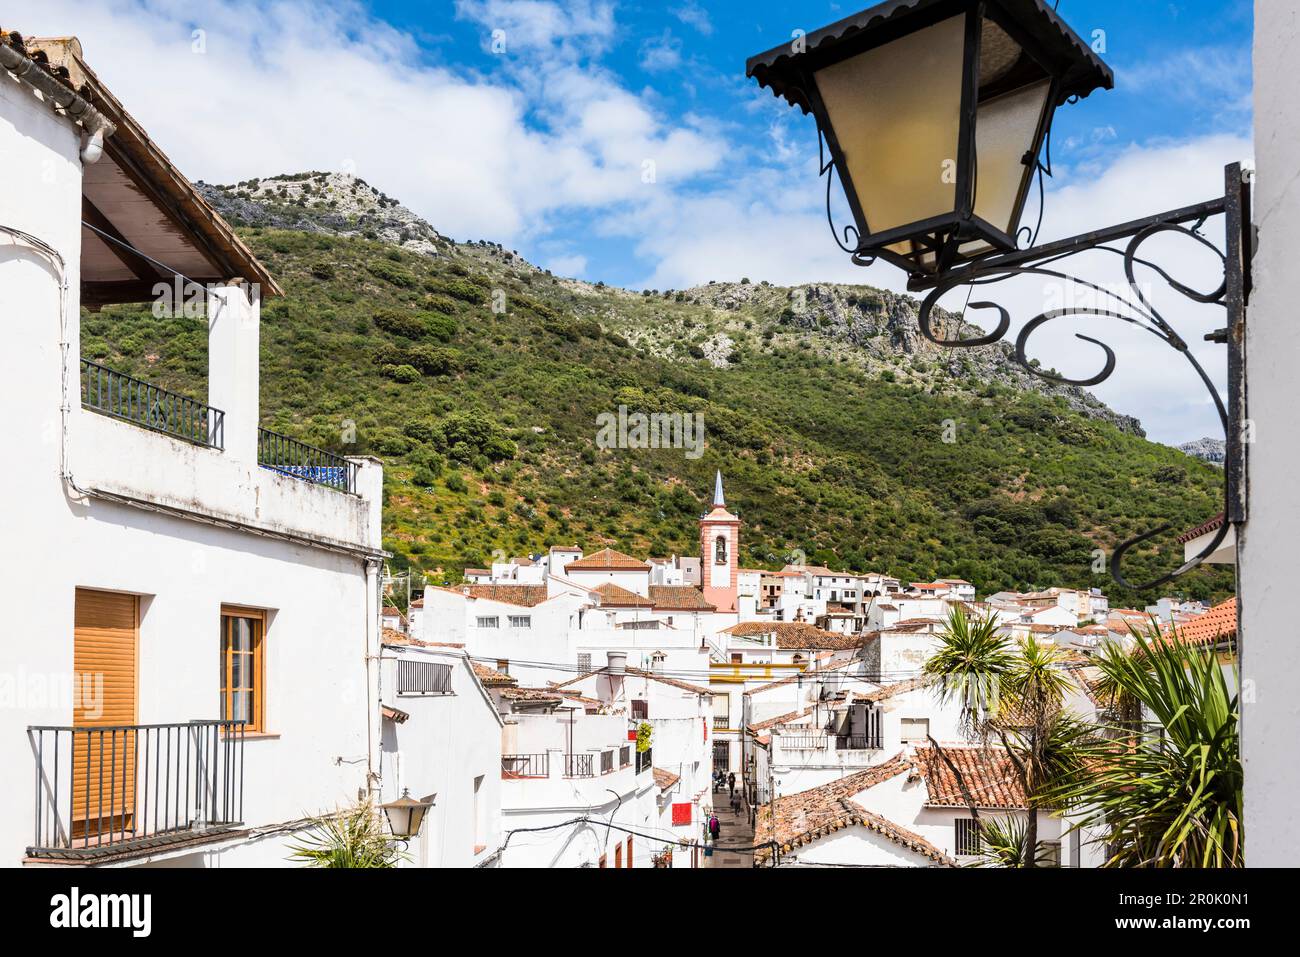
(719, 553)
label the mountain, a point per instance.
(488, 387)
(1207, 450)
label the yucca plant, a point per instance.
(1004, 842)
(1166, 792)
(354, 836)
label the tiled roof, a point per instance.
(391, 636)
(477, 571)
(613, 596)
(583, 699)
(1203, 529)
(811, 675)
(795, 635)
(525, 595)
(679, 598)
(782, 719)
(890, 690)
(491, 678)
(988, 774)
(665, 779)
(1219, 624)
(531, 694)
(607, 559)
(798, 819)
(641, 673)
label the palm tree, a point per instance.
(1004, 842)
(352, 837)
(1166, 792)
(1016, 696)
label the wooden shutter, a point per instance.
(104, 660)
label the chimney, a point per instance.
(617, 663)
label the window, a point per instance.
(915, 730)
(584, 663)
(489, 621)
(243, 680)
(521, 621)
(720, 550)
(721, 756)
(737, 658)
(422, 677)
(968, 840)
(640, 708)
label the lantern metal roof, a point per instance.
(783, 69)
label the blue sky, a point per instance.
(544, 146)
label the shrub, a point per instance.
(401, 373)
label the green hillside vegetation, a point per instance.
(486, 423)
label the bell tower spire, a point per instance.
(720, 552)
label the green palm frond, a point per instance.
(352, 837)
(1165, 792)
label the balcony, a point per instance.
(721, 722)
(122, 790)
(858, 742)
(525, 766)
(644, 761)
(579, 766)
(287, 456)
(625, 756)
(804, 742)
(150, 406)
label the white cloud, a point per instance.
(694, 16)
(287, 85)
(663, 52)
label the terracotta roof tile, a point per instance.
(491, 677)
(798, 819)
(1203, 529)
(613, 596)
(811, 675)
(1218, 625)
(988, 774)
(524, 595)
(396, 715)
(679, 598)
(795, 635)
(531, 694)
(607, 559)
(665, 779)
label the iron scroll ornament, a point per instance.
(1134, 308)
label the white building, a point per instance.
(186, 534)
(906, 811)
(440, 740)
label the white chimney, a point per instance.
(617, 663)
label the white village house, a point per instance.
(187, 536)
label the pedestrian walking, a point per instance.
(735, 803)
(731, 782)
(715, 827)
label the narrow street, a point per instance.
(736, 833)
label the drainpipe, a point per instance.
(73, 104)
(374, 672)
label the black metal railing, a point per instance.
(625, 756)
(643, 761)
(857, 742)
(579, 766)
(525, 765)
(279, 453)
(422, 678)
(606, 762)
(111, 789)
(142, 403)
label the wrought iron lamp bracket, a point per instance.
(1133, 306)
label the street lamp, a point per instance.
(935, 113)
(405, 815)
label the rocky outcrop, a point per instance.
(1207, 449)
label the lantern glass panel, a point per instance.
(1013, 93)
(896, 113)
